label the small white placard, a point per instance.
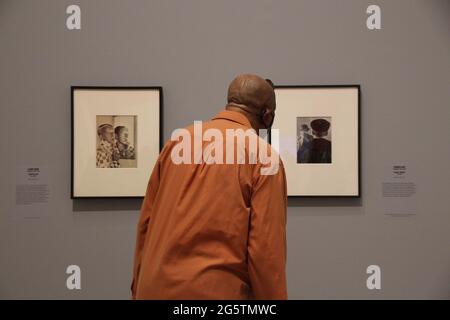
(32, 192)
(399, 190)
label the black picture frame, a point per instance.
(359, 171)
(73, 88)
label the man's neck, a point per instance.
(243, 110)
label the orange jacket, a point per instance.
(212, 231)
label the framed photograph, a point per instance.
(116, 139)
(319, 133)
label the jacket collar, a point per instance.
(234, 116)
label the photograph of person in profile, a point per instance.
(116, 141)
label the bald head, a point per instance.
(252, 91)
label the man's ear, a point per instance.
(266, 116)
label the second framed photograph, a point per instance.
(116, 139)
(319, 139)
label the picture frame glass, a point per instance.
(116, 140)
(318, 139)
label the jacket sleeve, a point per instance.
(144, 220)
(267, 237)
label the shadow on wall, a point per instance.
(106, 205)
(325, 202)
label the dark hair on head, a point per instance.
(305, 127)
(101, 128)
(119, 129)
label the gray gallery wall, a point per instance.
(193, 49)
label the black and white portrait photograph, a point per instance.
(314, 140)
(114, 128)
(116, 141)
(318, 131)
